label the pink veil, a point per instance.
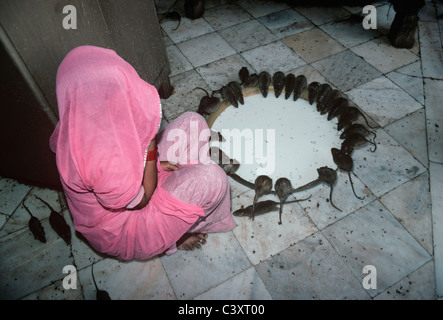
(108, 115)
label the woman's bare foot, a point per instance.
(190, 241)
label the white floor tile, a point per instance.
(311, 51)
(349, 32)
(371, 98)
(187, 30)
(383, 56)
(286, 23)
(205, 49)
(410, 132)
(372, 236)
(247, 35)
(221, 17)
(259, 8)
(264, 237)
(419, 285)
(410, 203)
(409, 78)
(388, 167)
(247, 285)
(345, 70)
(320, 15)
(218, 260)
(11, 194)
(133, 280)
(273, 57)
(309, 270)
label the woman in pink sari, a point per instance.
(127, 199)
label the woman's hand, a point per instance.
(169, 166)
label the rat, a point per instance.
(262, 186)
(194, 9)
(216, 136)
(100, 294)
(348, 115)
(289, 85)
(252, 81)
(264, 80)
(344, 162)
(208, 104)
(326, 175)
(312, 91)
(322, 92)
(229, 95)
(173, 15)
(35, 226)
(300, 84)
(239, 179)
(236, 89)
(283, 188)
(355, 140)
(278, 81)
(329, 101)
(243, 75)
(261, 207)
(58, 223)
(357, 128)
(337, 107)
(228, 165)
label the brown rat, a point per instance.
(289, 85)
(300, 84)
(35, 226)
(278, 81)
(173, 15)
(100, 294)
(243, 75)
(322, 92)
(329, 101)
(344, 162)
(283, 188)
(355, 140)
(357, 128)
(264, 80)
(326, 175)
(262, 186)
(261, 207)
(252, 81)
(58, 223)
(337, 107)
(236, 89)
(208, 104)
(348, 115)
(312, 91)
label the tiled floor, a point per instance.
(319, 252)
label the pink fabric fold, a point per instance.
(108, 116)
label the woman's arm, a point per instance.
(150, 175)
(149, 178)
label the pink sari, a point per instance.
(108, 116)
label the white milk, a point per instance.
(300, 137)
